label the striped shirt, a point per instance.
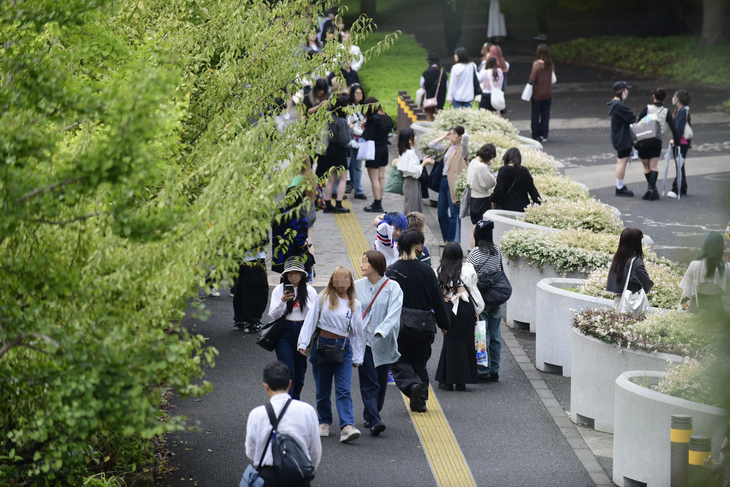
(485, 263)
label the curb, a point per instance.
(566, 427)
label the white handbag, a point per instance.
(366, 152)
(527, 92)
(688, 132)
(553, 79)
(632, 303)
(497, 95)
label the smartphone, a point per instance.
(289, 288)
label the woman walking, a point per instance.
(708, 278)
(336, 157)
(294, 299)
(480, 179)
(683, 122)
(422, 303)
(496, 52)
(356, 122)
(649, 155)
(338, 347)
(455, 154)
(434, 81)
(487, 259)
(485, 54)
(412, 169)
(542, 93)
(461, 82)
(628, 257)
(458, 283)
(621, 119)
(515, 187)
(489, 78)
(381, 318)
(377, 128)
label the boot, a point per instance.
(339, 208)
(653, 176)
(328, 207)
(647, 195)
(376, 207)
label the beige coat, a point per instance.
(457, 165)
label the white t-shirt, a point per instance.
(336, 321)
(278, 308)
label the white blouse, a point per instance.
(480, 179)
(410, 165)
(469, 280)
(335, 321)
(278, 308)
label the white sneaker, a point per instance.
(324, 429)
(671, 194)
(348, 434)
(214, 293)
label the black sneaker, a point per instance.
(239, 325)
(251, 327)
(624, 192)
(360, 197)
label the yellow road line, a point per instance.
(444, 455)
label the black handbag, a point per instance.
(270, 333)
(293, 466)
(423, 179)
(437, 174)
(494, 286)
(331, 354)
(418, 322)
(477, 84)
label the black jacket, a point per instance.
(431, 82)
(621, 118)
(420, 288)
(639, 279)
(514, 197)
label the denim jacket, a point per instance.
(383, 318)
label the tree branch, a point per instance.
(20, 339)
(38, 191)
(64, 222)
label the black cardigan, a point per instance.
(639, 279)
(420, 288)
(516, 198)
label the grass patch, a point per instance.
(398, 68)
(383, 8)
(679, 58)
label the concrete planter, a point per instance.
(595, 366)
(505, 220)
(554, 321)
(641, 442)
(524, 278)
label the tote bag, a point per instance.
(497, 98)
(527, 92)
(395, 182)
(366, 151)
(632, 303)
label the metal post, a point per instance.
(680, 433)
(700, 448)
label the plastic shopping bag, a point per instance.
(480, 343)
(366, 152)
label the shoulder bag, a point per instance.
(688, 132)
(475, 80)
(291, 461)
(497, 95)
(270, 333)
(632, 303)
(527, 92)
(437, 174)
(434, 102)
(394, 184)
(331, 354)
(494, 286)
(418, 322)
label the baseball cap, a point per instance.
(433, 56)
(621, 85)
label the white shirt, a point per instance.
(486, 79)
(410, 165)
(335, 321)
(480, 179)
(385, 243)
(469, 280)
(299, 421)
(461, 87)
(278, 308)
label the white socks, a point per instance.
(619, 183)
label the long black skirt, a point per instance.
(458, 361)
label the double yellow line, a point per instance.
(444, 455)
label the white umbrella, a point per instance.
(678, 163)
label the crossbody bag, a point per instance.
(434, 102)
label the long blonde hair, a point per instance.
(331, 293)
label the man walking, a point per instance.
(299, 421)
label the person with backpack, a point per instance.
(650, 154)
(621, 119)
(683, 122)
(296, 428)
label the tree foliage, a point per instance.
(137, 150)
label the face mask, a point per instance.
(624, 95)
(674, 100)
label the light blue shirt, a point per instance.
(383, 318)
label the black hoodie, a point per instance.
(621, 118)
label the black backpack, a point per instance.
(292, 464)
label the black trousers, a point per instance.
(411, 367)
(540, 118)
(373, 386)
(684, 149)
(251, 292)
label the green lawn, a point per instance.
(398, 68)
(679, 58)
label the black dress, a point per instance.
(458, 361)
(377, 129)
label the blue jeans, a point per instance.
(493, 316)
(355, 174)
(286, 352)
(342, 374)
(462, 104)
(373, 386)
(448, 213)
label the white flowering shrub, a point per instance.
(666, 275)
(556, 186)
(588, 214)
(473, 121)
(538, 162)
(680, 334)
(566, 251)
(460, 186)
(690, 380)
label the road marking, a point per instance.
(443, 452)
